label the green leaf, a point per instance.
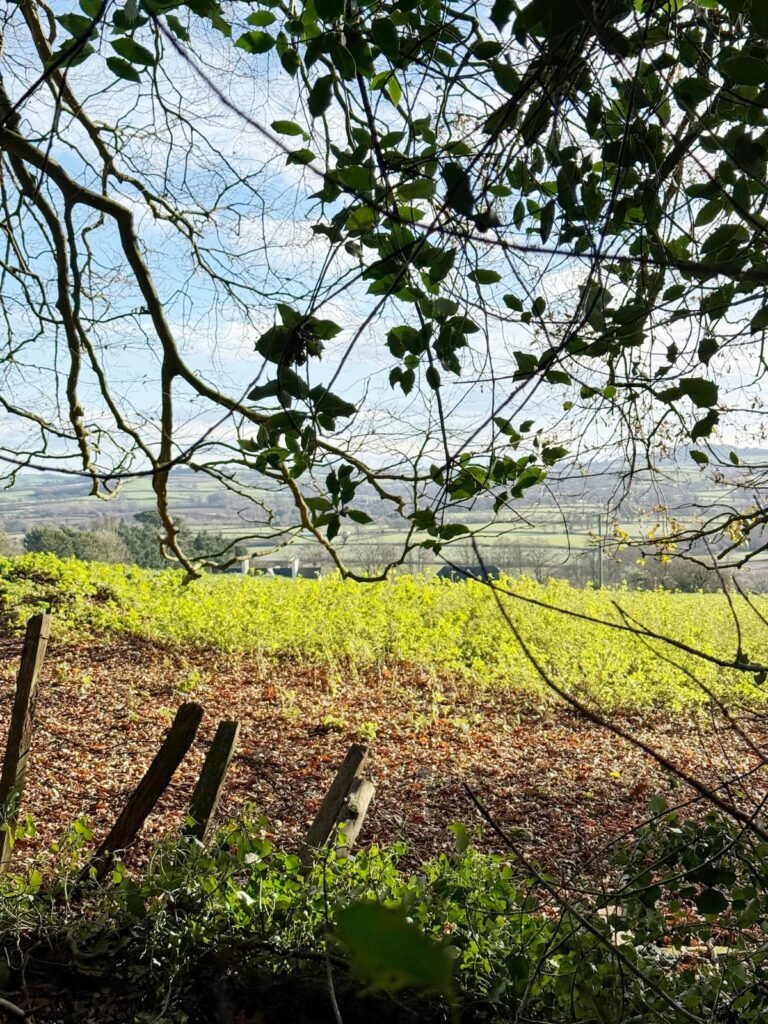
(70, 55)
(703, 393)
(708, 348)
(390, 952)
(358, 516)
(452, 530)
(725, 240)
(255, 42)
(394, 91)
(759, 321)
(506, 76)
(260, 19)
(744, 69)
(512, 302)
(705, 426)
(325, 329)
(458, 193)
(133, 51)
(420, 188)
(385, 36)
(123, 69)
(547, 220)
(332, 529)
(481, 276)
(700, 458)
(501, 12)
(328, 404)
(361, 219)
(288, 128)
(179, 30)
(759, 18)
(433, 377)
(329, 10)
(272, 344)
(486, 49)
(711, 901)
(320, 95)
(301, 157)
(76, 24)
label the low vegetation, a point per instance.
(432, 625)
(235, 931)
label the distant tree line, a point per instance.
(132, 542)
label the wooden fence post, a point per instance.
(154, 783)
(207, 792)
(14, 771)
(354, 810)
(339, 805)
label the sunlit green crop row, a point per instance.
(414, 622)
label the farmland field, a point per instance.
(426, 671)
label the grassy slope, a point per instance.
(429, 624)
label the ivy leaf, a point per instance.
(390, 952)
(320, 95)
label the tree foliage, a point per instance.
(469, 247)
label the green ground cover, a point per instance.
(416, 623)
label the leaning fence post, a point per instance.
(345, 804)
(207, 792)
(14, 772)
(152, 786)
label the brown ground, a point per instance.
(105, 705)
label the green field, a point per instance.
(418, 624)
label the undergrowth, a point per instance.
(416, 623)
(236, 929)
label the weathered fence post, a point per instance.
(154, 783)
(345, 803)
(14, 771)
(207, 792)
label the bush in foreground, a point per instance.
(235, 931)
